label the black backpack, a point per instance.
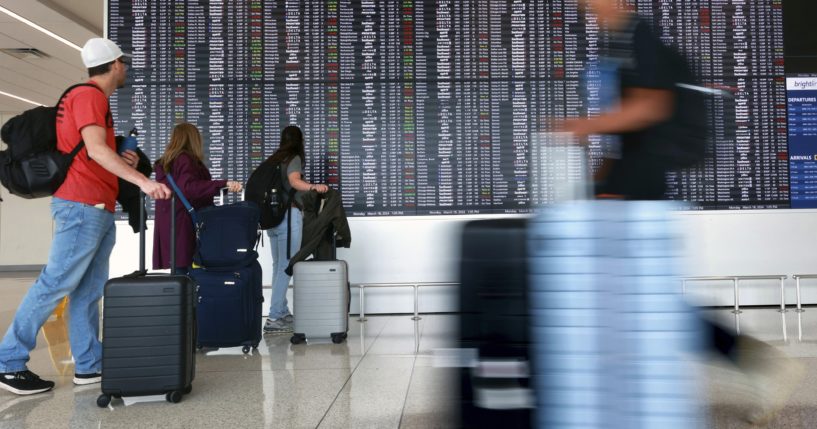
(32, 167)
(687, 134)
(684, 140)
(266, 188)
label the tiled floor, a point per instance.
(382, 377)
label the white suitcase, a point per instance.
(321, 300)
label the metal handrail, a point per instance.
(362, 288)
(797, 278)
(736, 284)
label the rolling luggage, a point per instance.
(321, 294)
(229, 307)
(148, 324)
(611, 333)
(228, 275)
(496, 391)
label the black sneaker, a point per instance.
(24, 383)
(83, 379)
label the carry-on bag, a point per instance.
(229, 298)
(226, 234)
(148, 330)
(321, 294)
(229, 306)
(496, 390)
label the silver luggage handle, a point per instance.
(222, 195)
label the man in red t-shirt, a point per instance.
(84, 227)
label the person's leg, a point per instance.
(84, 301)
(720, 340)
(281, 279)
(72, 251)
(279, 315)
(770, 374)
(275, 302)
(295, 233)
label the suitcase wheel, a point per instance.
(297, 339)
(338, 338)
(245, 349)
(174, 396)
(188, 389)
(103, 400)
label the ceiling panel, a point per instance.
(44, 79)
(39, 69)
(88, 13)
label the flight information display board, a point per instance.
(431, 107)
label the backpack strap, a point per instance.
(184, 201)
(290, 200)
(289, 232)
(81, 143)
(72, 87)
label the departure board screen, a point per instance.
(432, 107)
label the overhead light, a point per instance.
(21, 98)
(39, 28)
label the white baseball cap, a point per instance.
(98, 51)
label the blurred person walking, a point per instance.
(612, 334)
(659, 130)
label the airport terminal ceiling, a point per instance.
(431, 107)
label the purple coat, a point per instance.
(198, 187)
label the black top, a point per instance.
(640, 173)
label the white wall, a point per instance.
(25, 227)
(423, 249)
(756, 242)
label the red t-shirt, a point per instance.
(87, 182)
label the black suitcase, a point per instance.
(494, 322)
(148, 330)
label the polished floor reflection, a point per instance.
(382, 377)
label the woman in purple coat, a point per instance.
(184, 159)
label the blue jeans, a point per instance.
(77, 267)
(278, 244)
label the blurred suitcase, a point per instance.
(611, 333)
(229, 307)
(496, 390)
(321, 295)
(148, 324)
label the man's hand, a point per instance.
(130, 157)
(155, 190)
(580, 128)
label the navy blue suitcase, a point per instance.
(229, 307)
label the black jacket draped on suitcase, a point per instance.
(323, 215)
